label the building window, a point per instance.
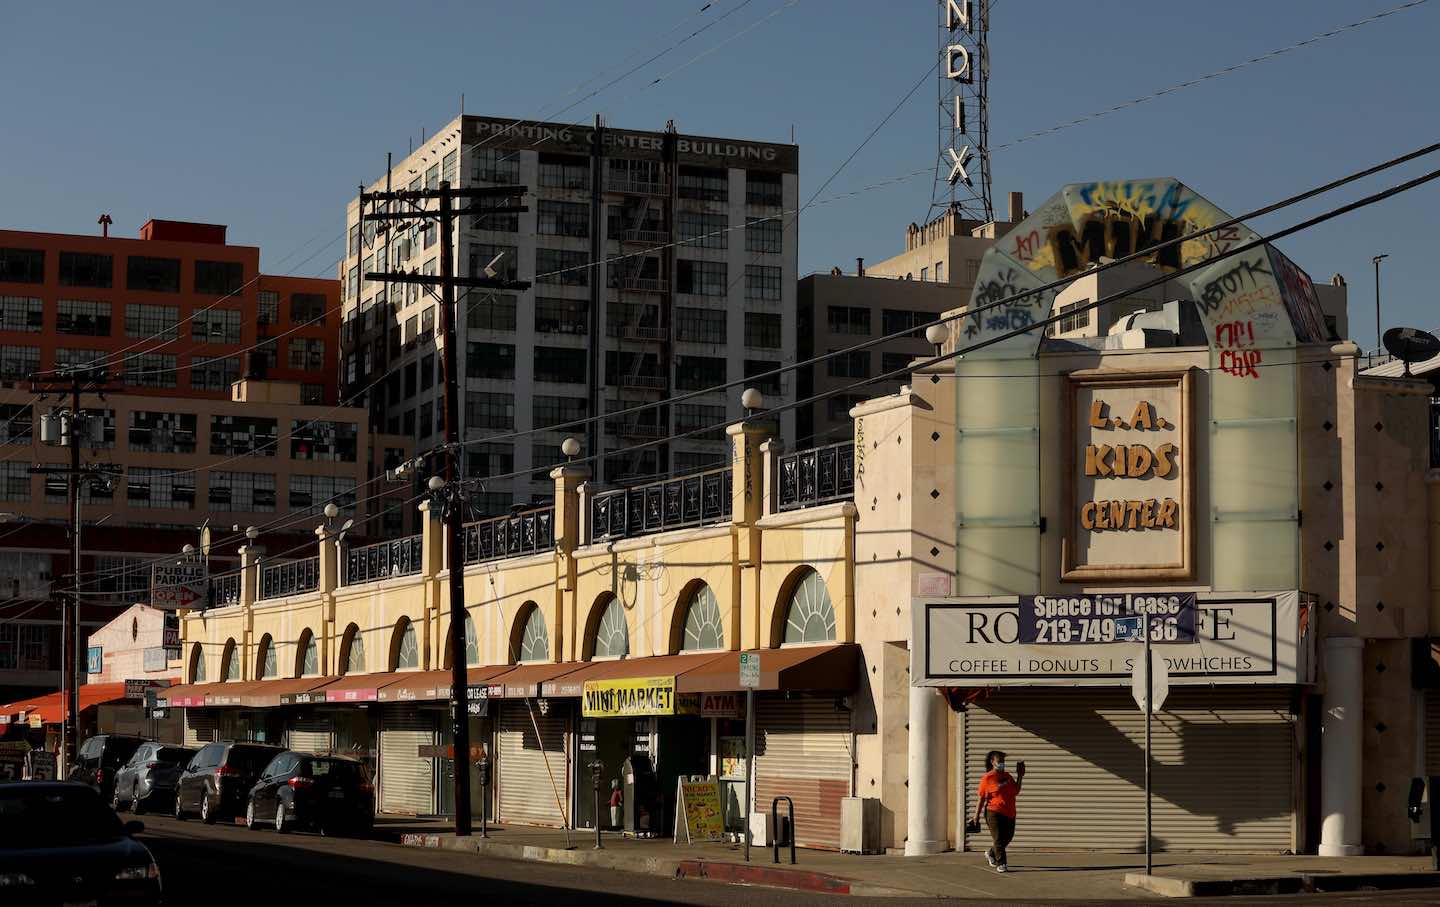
(450, 169)
(427, 325)
(432, 177)
(149, 370)
(243, 436)
(307, 353)
(312, 394)
(558, 412)
(354, 240)
(482, 254)
(69, 358)
(16, 423)
(764, 235)
(154, 275)
(215, 374)
(322, 440)
(24, 647)
(700, 325)
(158, 432)
(152, 322)
(627, 319)
(495, 361)
(848, 319)
(545, 457)
(895, 362)
(87, 319)
(633, 175)
(427, 419)
(756, 367)
(924, 274)
(560, 365)
(939, 272)
(242, 491)
(706, 422)
(701, 278)
(22, 313)
(838, 408)
(892, 321)
(492, 165)
(562, 266)
(87, 269)
(307, 308)
(492, 313)
(311, 493)
(704, 184)
(352, 283)
(268, 352)
(763, 282)
(427, 370)
(560, 316)
(484, 409)
(695, 373)
(160, 489)
(564, 171)
(19, 362)
(491, 459)
(499, 222)
(14, 481)
(766, 189)
(492, 503)
(1070, 320)
(268, 311)
(855, 364)
(22, 265)
(622, 366)
(555, 218)
(223, 277)
(704, 231)
(762, 330)
(704, 626)
(692, 461)
(216, 326)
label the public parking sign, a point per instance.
(749, 670)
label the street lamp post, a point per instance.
(1378, 337)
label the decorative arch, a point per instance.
(699, 623)
(529, 636)
(229, 661)
(307, 655)
(266, 667)
(404, 646)
(352, 651)
(607, 630)
(804, 614)
(196, 670)
(472, 644)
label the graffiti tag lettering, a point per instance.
(1114, 237)
(1241, 277)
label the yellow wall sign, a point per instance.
(632, 696)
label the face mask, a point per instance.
(1000, 766)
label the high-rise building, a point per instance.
(661, 263)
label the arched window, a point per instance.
(404, 651)
(197, 664)
(612, 634)
(352, 651)
(230, 662)
(309, 656)
(472, 642)
(703, 627)
(535, 639)
(265, 659)
(809, 615)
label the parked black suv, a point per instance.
(218, 780)
(100, 758)
(149, 777)
(331, 794)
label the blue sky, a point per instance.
(265, 116)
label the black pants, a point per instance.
(1002, 832)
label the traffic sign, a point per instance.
(749, 670)
(1159, 682)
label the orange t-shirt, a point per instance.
(1002, 790)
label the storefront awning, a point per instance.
(523, 681)
(833, 668)
(358, 687)
(435, 685)
(268, 693)
(50, 708)
(677, 666)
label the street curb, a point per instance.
(714, 871)
(1300, 883)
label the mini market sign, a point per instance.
(632, 696)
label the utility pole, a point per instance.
(453, 497)
(1379, 335)
(70, 428)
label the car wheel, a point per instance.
(206, 814)
(115, 800)
(280, 823)
(250, 816)
(136, 806)
(179, 812)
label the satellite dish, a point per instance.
(1411, 345)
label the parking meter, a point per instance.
(597, 772)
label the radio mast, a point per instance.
(962, 168)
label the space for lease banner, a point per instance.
(1090, 618)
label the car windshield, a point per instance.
(338, 770)
(44, 816)
(118, 750)
(174, 755)
(250, 759)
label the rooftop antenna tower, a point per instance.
(962, 169)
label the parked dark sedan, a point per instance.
(217, 782)
(149, 777)
(60, 844)
(99, 758)
(331, 794)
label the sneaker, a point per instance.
(990, 858)
(1001, 868)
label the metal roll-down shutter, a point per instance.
(804, 751)
(527, 794)
(407, 779)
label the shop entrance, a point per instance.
(479, 736)
(684, 743)
(611, 741)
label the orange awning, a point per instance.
(832, 668)
(51, 707)
(269, 693)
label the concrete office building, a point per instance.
(662, 263)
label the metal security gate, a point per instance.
(804, 750)
(407, 779)
(310, 736)
(1432, 733)
(199, 728)
(1223, 776)
(526, 794)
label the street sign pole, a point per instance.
(749, 679)
(1149, 707)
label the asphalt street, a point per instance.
(218, 864)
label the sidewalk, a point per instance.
(1037, 876)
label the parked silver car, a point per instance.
(150, 776)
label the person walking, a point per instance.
(997, 793)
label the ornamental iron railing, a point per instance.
(289, 578)
(526, 532)
(398, 557)
(691, 500)
(225, 590)
(819, 475)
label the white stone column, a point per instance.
(927, 801)
(1341, 757)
